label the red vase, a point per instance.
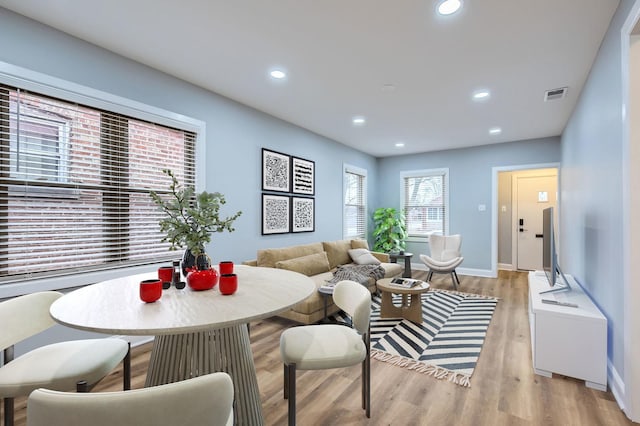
(203, 279)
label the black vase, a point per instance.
(189, 261)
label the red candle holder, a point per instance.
(228, 284)
(225, 267)
(150, 290)
(165, 274)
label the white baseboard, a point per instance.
(419, 267)
(460, 271)
(506, 267)
(486, 273)
(616, 384)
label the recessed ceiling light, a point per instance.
(359, 120)
(481, 95)
(495, 131)
(447, 7)
(278, 74)
(399, 145)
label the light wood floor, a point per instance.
(504, 390)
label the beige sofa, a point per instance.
(318, 261)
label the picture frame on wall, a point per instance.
(303, 176)
(302, 214)
(276, 171)
(276, 217)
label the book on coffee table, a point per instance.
(405, 282)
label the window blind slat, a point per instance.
(75, 182)
(355, 205)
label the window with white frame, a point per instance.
(39, 143)
(75, 182)
(425, 200)
(355, 203)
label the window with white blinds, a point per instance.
(425, 200)
(74, 186)
(355, 203)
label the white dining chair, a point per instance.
(76, 364)
(325, 346)
(201, 401)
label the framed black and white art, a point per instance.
(275, 214)
(276, 171)
(302, 214)
(303, 176)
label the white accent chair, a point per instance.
(201, 401)
(325, 346)
(445, 256)
(70, 365)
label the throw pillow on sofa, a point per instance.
(337, 252)
(269, 257)
(312, 264)
(355, 244)
(362, 256)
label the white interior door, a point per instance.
(534, 194)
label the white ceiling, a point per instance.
(339, 55)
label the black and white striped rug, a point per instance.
(448, 342)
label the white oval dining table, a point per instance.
(196, 332)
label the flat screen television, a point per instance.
(555, 277)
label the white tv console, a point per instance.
(571, 341)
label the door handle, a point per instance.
(539, 236)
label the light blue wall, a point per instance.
(591, 187)
(235, 133)
(470, 180)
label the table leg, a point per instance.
(413, 312)
(324, 298)
(410, 309)
(407, 267)
(183, 356)
(387, 308)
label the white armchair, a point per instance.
(445, 256)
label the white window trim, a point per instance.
(63, 145)
(348, 168)
(420, 173)
(58, 88)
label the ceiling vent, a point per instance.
(553, 94)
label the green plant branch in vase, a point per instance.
(191, 217)
(390, 230)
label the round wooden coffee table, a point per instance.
(411, 307)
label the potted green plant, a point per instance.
(190, 220)
(390, 230)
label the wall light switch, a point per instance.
(482, 207)
(504, 209)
